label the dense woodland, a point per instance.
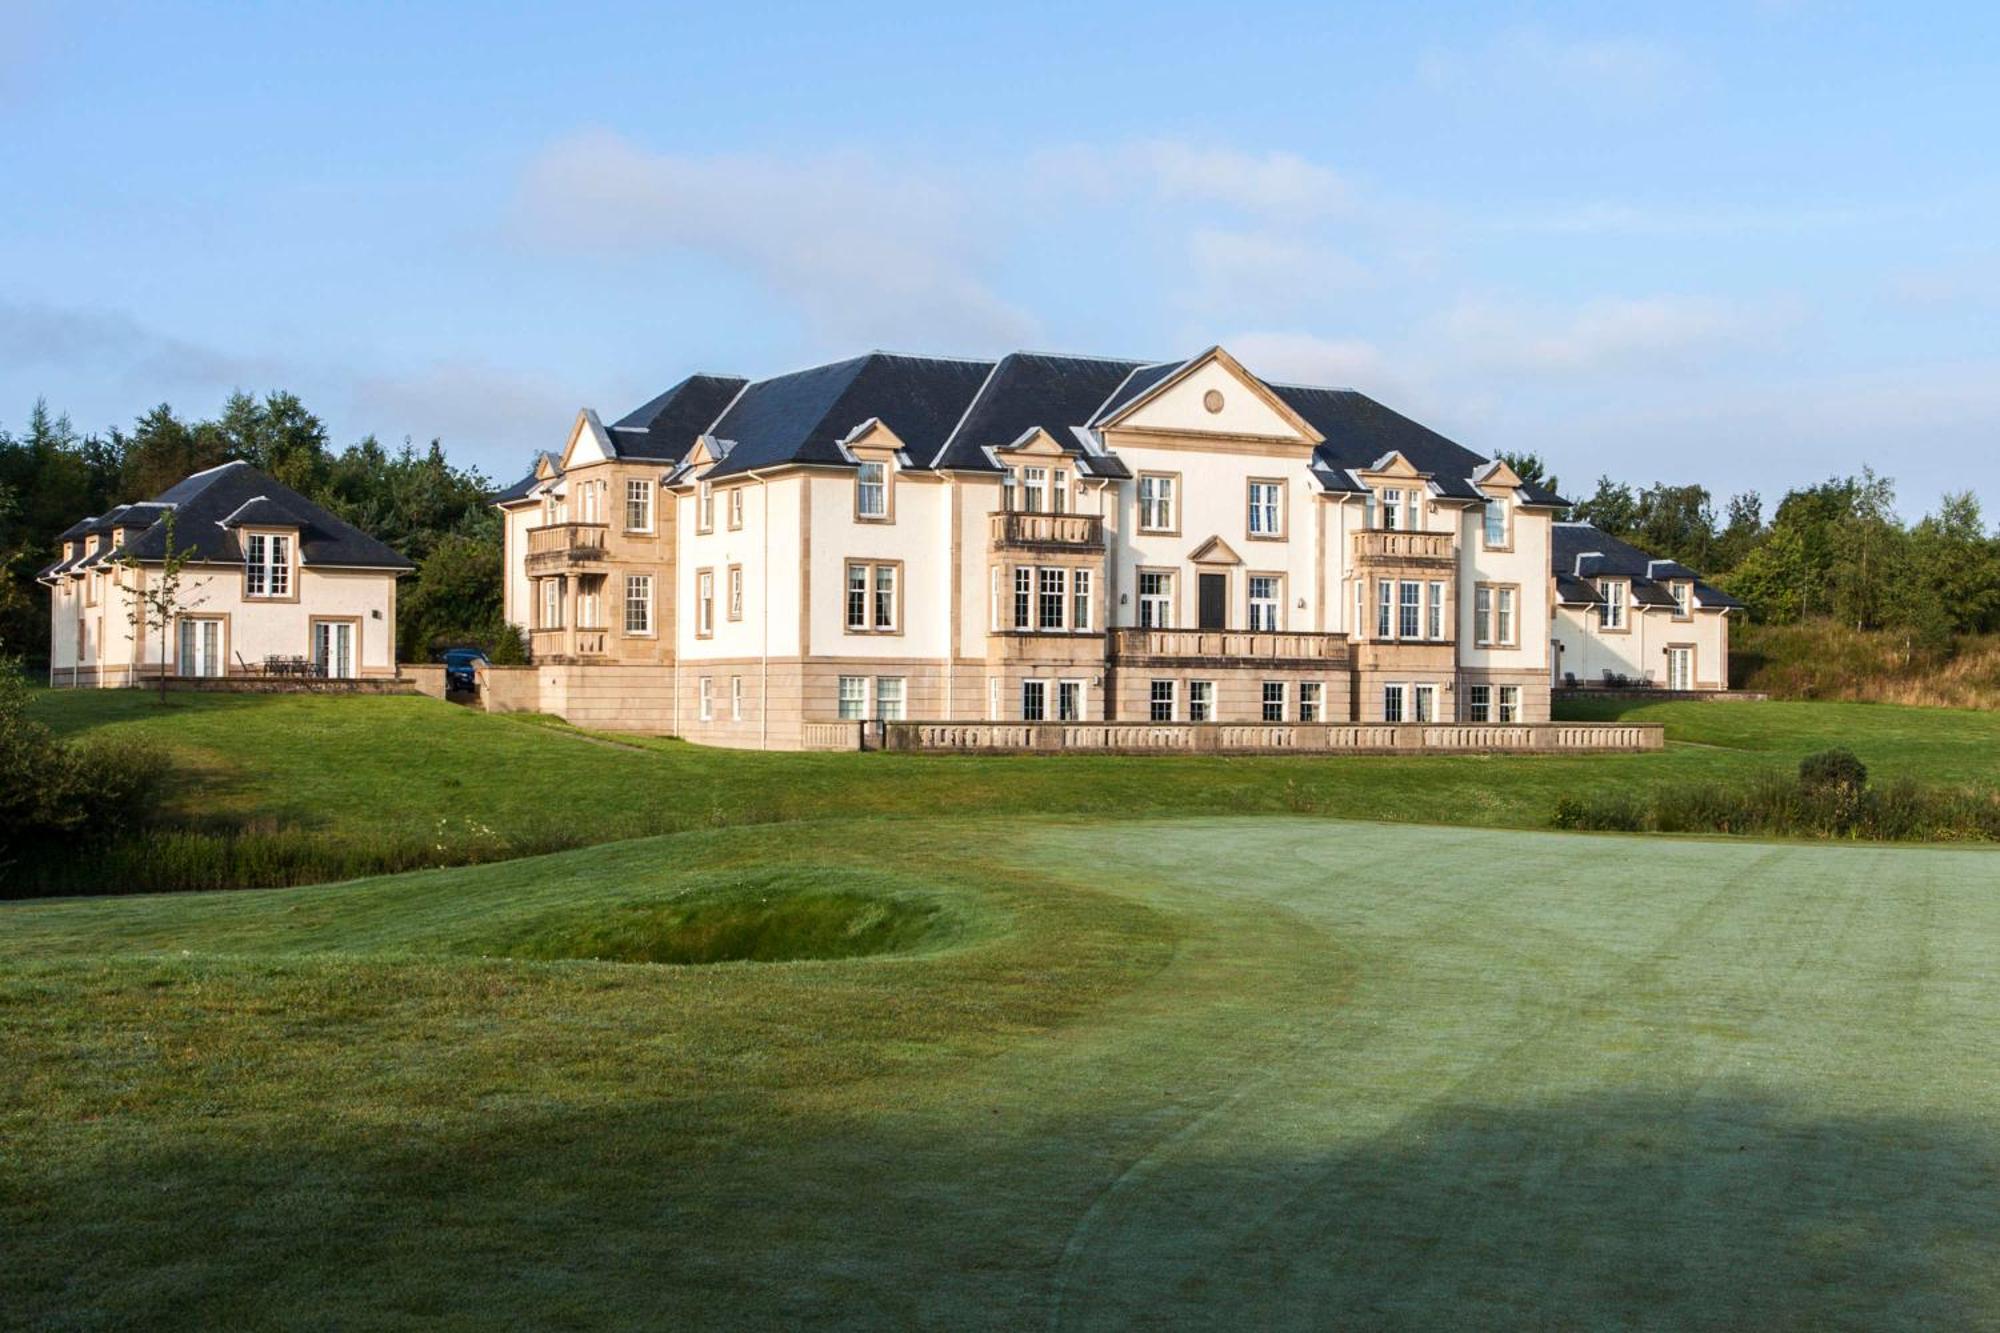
(1835, 551)
(432, 512)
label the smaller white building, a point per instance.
(1625, 618)
(275, 585)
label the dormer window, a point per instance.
(1496, 524)
(1683, 599)
(267, 564)
(1611, 615)
(871, 492)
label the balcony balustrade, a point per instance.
(1072, 532)
(1383, 546)
(562, 544)
(1240, 645)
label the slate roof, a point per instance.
(204, 502)
(666, 427)
(802, 417)
(1027, 390)
(1141, 381)
(1580, 552)
(519, 490)
(1360, 432)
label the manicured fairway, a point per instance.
(1227, 1073)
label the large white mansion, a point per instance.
(1051, 538)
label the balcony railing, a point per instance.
(1238, 644)
(564, 643)
(1070, 531)
(1389, 546)
(565, 543)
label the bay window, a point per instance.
(1410, 608)
(1054, 593)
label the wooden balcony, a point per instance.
(1380, 547)
(560, 545)
(1229, 646)
(1060, 532)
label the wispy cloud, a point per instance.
(1169, 171)
(1604, 69)
(865, 252)
(115, 344)
(1655, 332)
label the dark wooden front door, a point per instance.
(1214, 601)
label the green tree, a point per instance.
(1611, 508)
(1530, 468)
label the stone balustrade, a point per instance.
(1271, 737)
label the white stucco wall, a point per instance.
(1588, 650)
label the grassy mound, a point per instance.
(779, 915)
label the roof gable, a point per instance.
(1211, 394)
(1031, 390)
(588, 442)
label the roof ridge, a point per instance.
(971, 403)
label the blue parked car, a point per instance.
(459, 666)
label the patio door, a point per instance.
(333, 648)
(1680, 668)
(200, 647)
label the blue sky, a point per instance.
(1746, 244)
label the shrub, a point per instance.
(1776, 803)
(1830, 770)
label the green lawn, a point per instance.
(1220, 1072)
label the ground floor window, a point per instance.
(1069, 701)
(736, 698)
(1274, 701)
(333, 648)
(1201, 701)
(853, 698)
(1510, 703)
(705, 698)
(993, 698)
(1479, 703)
(1425, 699)
(201, 648)
(1309, 700)
(889, 698)
(1392, 702)
(1161, 702)
(1034, 700)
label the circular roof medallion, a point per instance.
(1212, 400)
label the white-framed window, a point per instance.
(1683, 599)
(1059, 490)
(1392, 702)
(267, 564)
(1160, 701)
(1510, 703)
(736, 506)
(1069, 701)
(1010, 499)
(1385, 609)
(1053, 601)
(1392, 509)
(1503, 616)
(736, 698)
(871, 491)
(704, 603)
(736, 592)
(1201, 701)
(1410, 610)
(1274, 701)
(200, 647)
(705, 698)
(870, 598)
(1311, 692)
(1424, 699)
(704, 518)
(889, 698)
(638, 505)
(552, 607)
(1156, 599)
(638, 603)
(1434, 611)
(1266, 509)
(1479, 703)
(1263, 601)
(1024, 597)
(1496, 524)
(1611, 615)
(1079, 601)
(1482, 615)
(1034, 489)
(993, 698)
(1156, 503)
(853, 698)
(1034, 700)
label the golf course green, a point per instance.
(1270, 1071)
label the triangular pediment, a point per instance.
(1032, 443)
(545, 466)
(1213, 394)
(1498, 476)
(872, 434)
(1215, 551)
(1392, 466)
(588, 442)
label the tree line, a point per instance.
(435, 514)
(1837, 551)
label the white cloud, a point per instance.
(865, 253)
(1601, 335)
(1170, 171)
(1608, 69)
(1265, 275)
(112, 343)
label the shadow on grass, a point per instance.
(1727, 1211)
